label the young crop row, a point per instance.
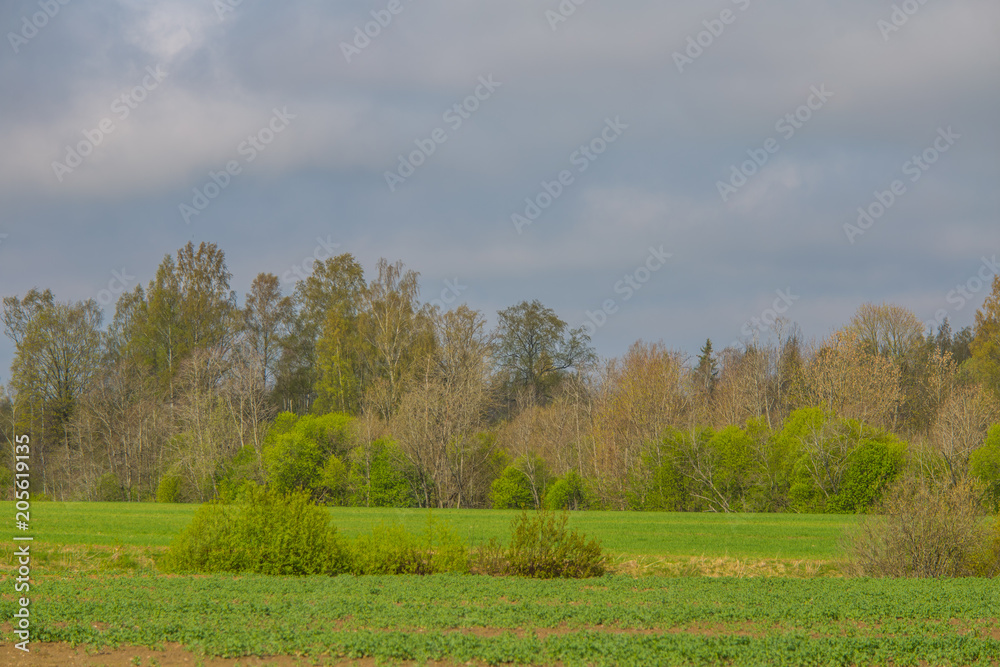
(611, 620)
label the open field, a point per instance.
(758, 536)
(616, 620)
(97, 599)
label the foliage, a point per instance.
(375, 480)
(569, 492)
(108, 488)
(922, 530)
(169, 489)
(298, 449)
(985, 347)
(261, 531)
(984, 464)
(186, 382)
(874, 463)
(512, 490)
(542, 547)
(840, 465)
(391, 549)
(534, 349)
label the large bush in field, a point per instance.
(261, 531)
(925, 529)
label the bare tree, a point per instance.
(961, 427)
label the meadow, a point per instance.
(113, 607)
(761, 536)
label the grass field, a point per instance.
(759, 536)
(96, 599)
(615, 620)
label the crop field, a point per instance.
(615, 620)
(98, 599)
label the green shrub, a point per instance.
(332, 486)
(984, 464)
(297, 448)
(541, 547)
(872, 466)
(375, 480)
(262, 531)
(391, 549)
(512, 490)
(169, 489)
(569, 493)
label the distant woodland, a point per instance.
(355, 389)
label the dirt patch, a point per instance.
(174, 655)
(58, 654)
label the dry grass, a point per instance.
(80, 558)
(705, 566)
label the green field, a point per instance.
(97, 599)
(663, 534)
(615, 620)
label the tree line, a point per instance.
(354, 389)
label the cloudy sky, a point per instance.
(659, 170)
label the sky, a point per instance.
(669, 171)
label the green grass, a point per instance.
(615, 620)
(661, 534)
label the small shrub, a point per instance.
(262, 531)
(169, 489)
(922, 530)
(391, 549)
(491, 558)
(542, 547)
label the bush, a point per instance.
(872, 466)
(169, 489)
(925, 530)
(262, 531)
(390, 549)
(984, 464)
(569, 493)
(541, 547)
